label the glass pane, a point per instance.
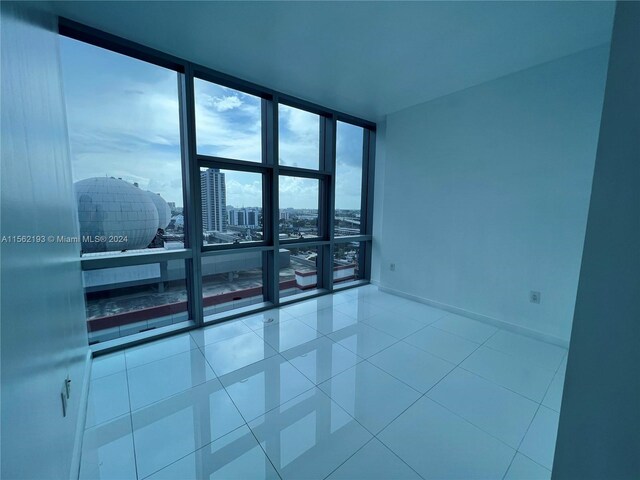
(228, 122)
(231, 281)
(124, 132)
(122, 301)
(298, 270)
(346, 262)
(299, 138)
(349, 144)
(298, 207)
(231, 206)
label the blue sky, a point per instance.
(123, 122)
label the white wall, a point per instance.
(44, 335)
(599, 430)
(486, 193)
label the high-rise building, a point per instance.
(241, 217)
(214, 200)
(231, 216)
(252, 218)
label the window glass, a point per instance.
(298, 215)
(124, 133)
(231, 281)
(298, 270)
(348, 201)
(231, 206)
(346, 262)
(228, 122)
(299, 137)
(121, 301)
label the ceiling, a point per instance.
(367, 59)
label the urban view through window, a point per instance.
(124, 130)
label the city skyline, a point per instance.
(123, 121)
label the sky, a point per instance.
(123, 120)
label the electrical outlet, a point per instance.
(534, 297)
(392, 267)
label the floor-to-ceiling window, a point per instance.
(201, 196)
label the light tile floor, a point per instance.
(357, 385)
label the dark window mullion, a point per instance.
(192, 213)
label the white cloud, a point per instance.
(222, 104)
(298, 192)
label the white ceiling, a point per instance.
(363, 58)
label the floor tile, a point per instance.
(310, 306)
(221, 331)
(519, 375)
(234, 353)
(496, 410)
(160, 379)
(328, 320)
(545, 355)
(358, 309)
(553, 397)
(258, 321)
(539, 443)
(371, 396)
(108, 399)
(107, 451)
(404, 307)
(366, 289)
(345, 295)
(374, 461)
(105, 365)
(440, 445)
(321, 359)
(523, 468)
(286, 335)
(415, 367)
(384, 301)
(363, 340)
(465, 327)
(425, 314)
(236, 456)
(166, 347)
(309, 436)
(394, 323)
(442, 344)
(172, 428)
(264, 385)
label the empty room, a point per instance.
(320, 240)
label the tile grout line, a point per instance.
(452, 412)
(316, 385)
(133, 437)
(531, 423)
(242, 415)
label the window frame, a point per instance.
(271, 170)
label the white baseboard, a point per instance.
(481, 318)
(82, 419)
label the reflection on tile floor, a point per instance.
(328, 388)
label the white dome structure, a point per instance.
(115, 209)
(164, 212)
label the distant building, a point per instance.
(114, 215)
(252, 218)
(214, 200)
(242, 217)
(172, 205)
(285, 214)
